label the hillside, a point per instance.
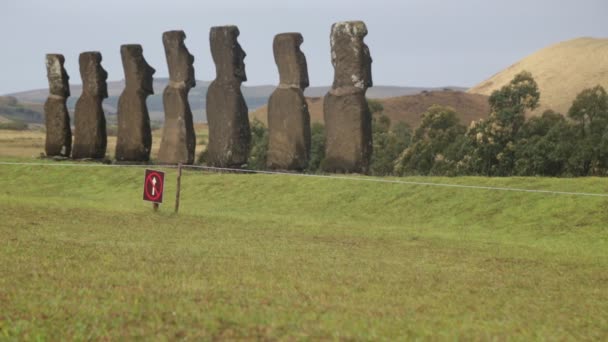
(255, 96)
(11, 109)
(380, 92)
(562, 71)
(410, 108)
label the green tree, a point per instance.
(259, 146)
(389, 142)
(589, 105)
(439, 129)
(590, 112)
(518, 96)
(375, 106)
(317, 147)
(544, 146)
(493, 140)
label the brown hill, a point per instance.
(410, 108)
(562, 71)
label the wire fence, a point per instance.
(322, 176)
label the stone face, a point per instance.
(134, 139)
(58, 132)
(288, 117)
(179, 140)
(227, 113)
(90, 139)
(348, 122)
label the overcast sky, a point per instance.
(412, 42)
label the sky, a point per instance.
(427, 43)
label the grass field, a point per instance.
(280, 257)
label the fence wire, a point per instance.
(323, 176)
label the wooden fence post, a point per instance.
(179, 186)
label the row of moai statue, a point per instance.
(346, 113)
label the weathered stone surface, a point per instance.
(58, 132)
(348, 127)
(179, 140)
(227, 113)
(288, 117)
(134, 139)
(348, 122)
(90, 139)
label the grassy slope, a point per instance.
(562, 71)
(261, 256)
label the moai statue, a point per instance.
(348, 121)
(58, 132)
(227, 114)
(134, 134)
(179, 140)
(90, 139)
(288, 117)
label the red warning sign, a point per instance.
(154, 183)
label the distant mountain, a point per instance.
(255, 96)
(11, 109)
(409, 108)
(562, 71)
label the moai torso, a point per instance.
(57, 120)
(227, 114)
(134, 139)
(348, 122)
(179, 140)
(90, 137)
(288, 117)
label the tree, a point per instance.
(426, 154)
(389, 142)
(259, 146)
(519, 95)
(493, 140)
(544, 146)
(589, 105)
(375, 106)
(317, 147)
(590, 111)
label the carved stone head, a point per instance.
(290, 59)
(228, 56)
(138, 73)
(57, 76)
(350, 55)
(93, 74)
(179, 59)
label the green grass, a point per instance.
(280, 257)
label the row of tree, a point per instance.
(504, 144)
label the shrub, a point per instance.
(317, 147)
(259, 146)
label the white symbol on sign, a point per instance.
(153, 185)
